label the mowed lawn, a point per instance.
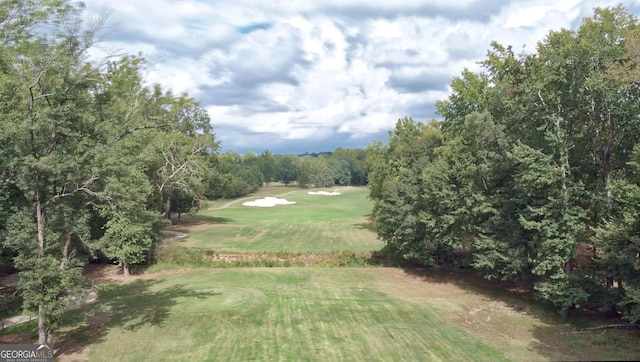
(315, 224)
(323, 314)
(288, 314)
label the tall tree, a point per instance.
(267, 164)
(397, 188)
(54, 138)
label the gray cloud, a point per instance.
(461, 46)
(479, 11)
(421, 82)
(236, 138)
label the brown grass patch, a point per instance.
(503, 315)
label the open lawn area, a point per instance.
(314, 224)
(324, 314)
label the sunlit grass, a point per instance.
(275, 314)
(315, 224)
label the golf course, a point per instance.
(310, 311)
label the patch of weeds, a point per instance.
(176, 255)
(179, 257)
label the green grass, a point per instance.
(320, 314)
(274, 314)
(315, 224)
(324, 314)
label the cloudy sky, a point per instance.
(308, 76)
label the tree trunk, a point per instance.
(40, 223)
(65, 250)
(168, 205)
(125, 269)
(43, 335)
(607, 153)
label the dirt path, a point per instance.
(228, 204)
(91, 297)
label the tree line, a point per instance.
(533, 176)
(233, 175)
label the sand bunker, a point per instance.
(268, 202)
(334, 193)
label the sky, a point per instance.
(296, 76)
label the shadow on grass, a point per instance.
(130, 306)
(367, 225)
(557, 338)
(564, 343)
(198, 219)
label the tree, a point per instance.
(46, 118)
(267, 164)
(127, 239)
(180, 147)
(461, 194)
(619, 238)
(470, 93)
(396, 188)
(306, 171)
(322, 176)
(340, 172)
(287, 169)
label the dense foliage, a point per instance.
(533, 174)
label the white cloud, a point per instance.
(312, 74)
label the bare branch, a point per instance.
(86, 188)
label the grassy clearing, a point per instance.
(379, 314)
(312, 314)
(315, 224)
(271, 314)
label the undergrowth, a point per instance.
(179, 257)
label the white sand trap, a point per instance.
(268, 202)
(326, 193)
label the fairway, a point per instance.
(277, 314)
(322, 314)
(314, 224)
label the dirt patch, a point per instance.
(97, 274)
(10, 280)
(465, 300)
(16, 338)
